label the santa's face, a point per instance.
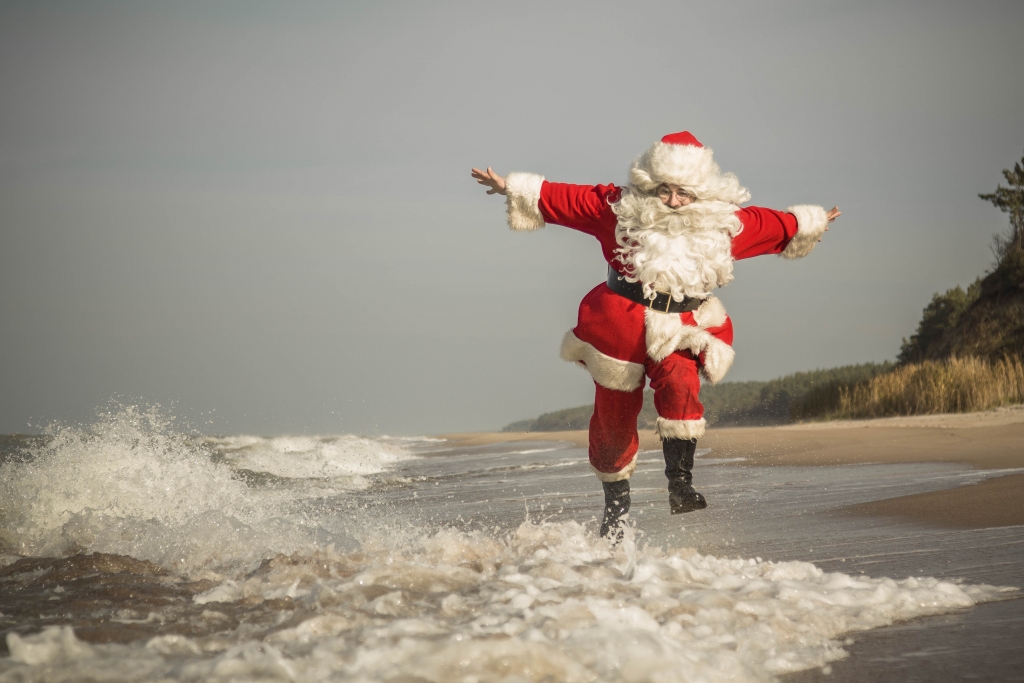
(675, 247)
(673, 196)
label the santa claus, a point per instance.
(670, 237)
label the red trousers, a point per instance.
(614, 440)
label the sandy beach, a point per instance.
(990, 440)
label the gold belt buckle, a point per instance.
(668, 304)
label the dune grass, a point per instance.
(956, 385)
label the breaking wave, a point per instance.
(130, 484)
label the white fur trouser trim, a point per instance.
(711, 313)
(666, 333)
(610, 373)
(718, 358)
(522, 200)
(680, 429)
(811, 222)
(625, 473)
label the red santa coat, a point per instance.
(615, 336)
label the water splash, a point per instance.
(131, 484)
(545, 602)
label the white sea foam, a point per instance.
(307, 457)
(547, 602)
(531, 451)
(130, 484)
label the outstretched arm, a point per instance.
(522, 192)
(532, 201)
(793, 233)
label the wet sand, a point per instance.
(989, 440)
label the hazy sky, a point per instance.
(261, 213)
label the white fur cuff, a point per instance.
(711, 313)
(522, 198)
(625, 473)
(680, 429)
(718, 358)
(610, 373)
(811, 222)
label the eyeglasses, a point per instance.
(666, 193)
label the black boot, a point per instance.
(616, 504)
(679, 470)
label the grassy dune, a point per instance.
(954, 385)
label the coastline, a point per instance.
(989, 440)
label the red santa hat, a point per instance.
(684, 138)
(681, 159)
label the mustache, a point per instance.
(653, 212)
(641, 214)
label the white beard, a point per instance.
(682, 252)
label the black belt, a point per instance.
(634, 291)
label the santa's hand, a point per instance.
(491, 180)
(831, 216)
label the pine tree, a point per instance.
(1010, 200)
(939, 318)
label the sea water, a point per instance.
(133, 551)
